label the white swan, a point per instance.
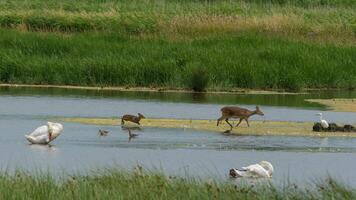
(323, 122)
(264, 169)
(45, 134)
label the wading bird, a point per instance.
(103, 132)
(131, 135)
(323, 122)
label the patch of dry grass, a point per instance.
(334, 25)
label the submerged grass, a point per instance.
(139, 184)
(275, 44)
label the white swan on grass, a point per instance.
(264, 169)
(45, 134)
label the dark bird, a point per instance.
(103, 132)
(131, 135)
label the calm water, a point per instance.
(174, 151)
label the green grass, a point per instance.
(246, 60)
(275, 44)
(116, 184)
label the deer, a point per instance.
(228, 112)
(132, 118)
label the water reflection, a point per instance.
(290, 100)
(41, 147)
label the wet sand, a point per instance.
(275, 128)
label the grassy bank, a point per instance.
(187, 44)
(115, 184)
(339, 105)
(272, 128)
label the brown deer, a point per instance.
(132, 118)
(237, 112)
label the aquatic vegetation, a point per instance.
(256, 127)
(140, 184)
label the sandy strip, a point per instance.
(152, 89)
(256, 127)
(338, 105)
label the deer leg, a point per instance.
(238, 123)
(227, 121)
(247, 122)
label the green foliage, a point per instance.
(246, 61)
(198, 79)
(159, 43)
(138, 184)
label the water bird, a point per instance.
(228, 112)
(264, 169)
(103, 132)
(132, 118)
(45, 134)
(131, 135)
(323, 122)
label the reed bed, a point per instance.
(324, 20)
(247, 60)
(139, 184)
(276, 44)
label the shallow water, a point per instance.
(174, 151)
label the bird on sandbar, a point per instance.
(323, 122)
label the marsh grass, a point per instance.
(312, 20)
(276, 44)
(248, 60)
(140, 184)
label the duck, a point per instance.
(263, 169)
(103, 132)
(131, 135)
(323, 122)
(45, 134)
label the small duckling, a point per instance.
(103, 132)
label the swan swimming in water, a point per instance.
(264, 169)
(45, 134)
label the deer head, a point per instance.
(141, 116)
(258, 111)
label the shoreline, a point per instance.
(337, 104)
(257, 128)
(166, 89)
